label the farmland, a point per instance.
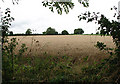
(59, 45)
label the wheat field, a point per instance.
(69, 45)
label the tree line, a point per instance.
(50, 31)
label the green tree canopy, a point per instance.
(50, 31)
(28, 32)
(65, 32)
(78, 31)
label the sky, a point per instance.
(31, 14)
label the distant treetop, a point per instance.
(50, 31)
(64, 32)
(78, 31)
(28, 32)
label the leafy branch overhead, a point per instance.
(60, 6)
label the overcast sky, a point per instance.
(31, 14)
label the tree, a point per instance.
(11, 33)
(50, 31)
(28, 32)
(64, 32)
(78, 31)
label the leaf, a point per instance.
(86, 58)
(89, 20)
(8, 15)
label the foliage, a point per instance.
(59, 6)
(63, 6)
(53, 69)
(28, 32)
(50, 31)
(78, 31)
(10, 59)
(64, 32)
(6, 23)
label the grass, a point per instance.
(42, 69)
(51, 69)
(46, 69)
